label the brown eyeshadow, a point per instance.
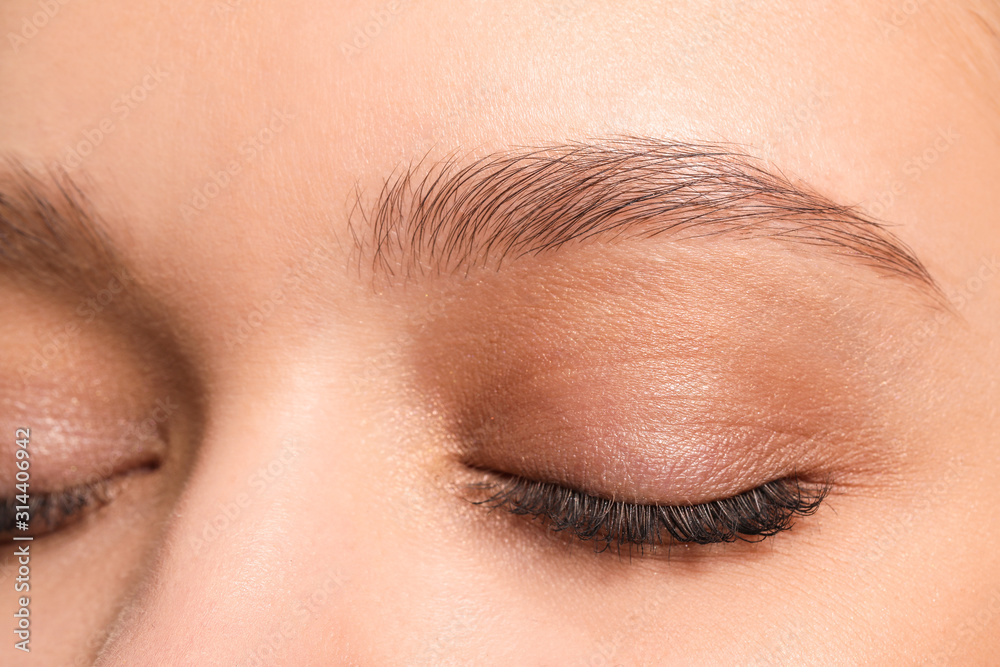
(660, 388)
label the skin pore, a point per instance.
(295, 391)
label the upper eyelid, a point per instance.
(797, 503)
(51, 510)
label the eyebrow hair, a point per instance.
(451, 216)
(50, 235)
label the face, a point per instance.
(408, 333)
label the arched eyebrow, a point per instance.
(454, 215)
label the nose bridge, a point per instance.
(249, 507)
(238, 578)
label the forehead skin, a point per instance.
(869, 102)
(796, 87)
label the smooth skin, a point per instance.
(306, 507)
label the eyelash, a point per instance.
(750, 516)
(50, 512)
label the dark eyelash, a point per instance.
(49, 512)
(750, 516)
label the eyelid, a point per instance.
(52, 511)
(750, 516)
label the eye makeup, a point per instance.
(86, 448)
(81, 459)
(86, 429)
(54, 511)
(634, 404)
(104, 409)
(750, 516)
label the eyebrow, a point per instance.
(454, 215)
(50, 236)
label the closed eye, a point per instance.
(42, 513)
(38, 514)
(750, 516)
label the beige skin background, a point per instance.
(305, 512)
